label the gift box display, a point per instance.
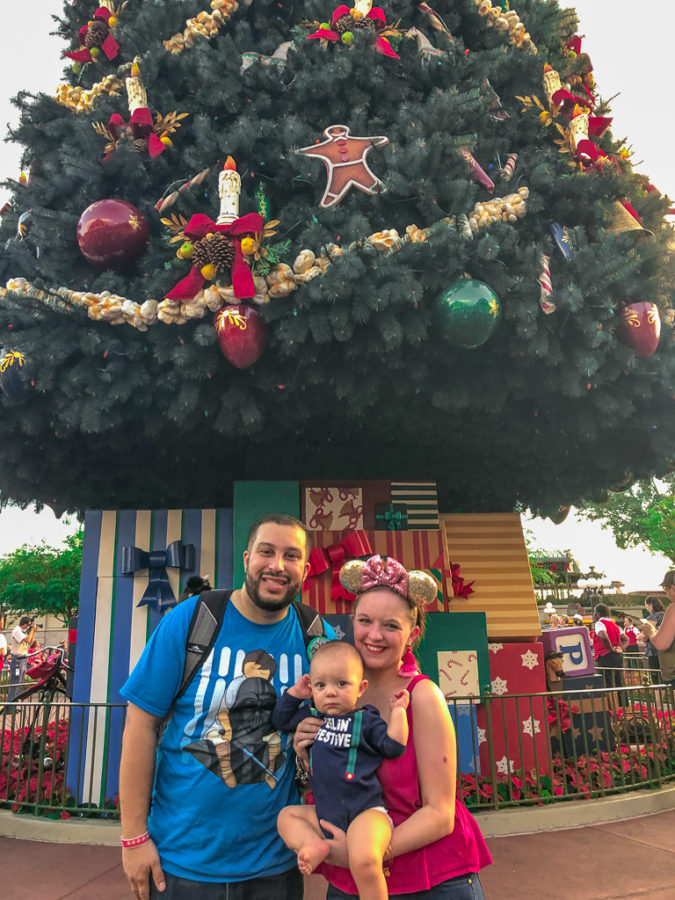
(135, 564)
(575, 645)
(413, 549)
(517, 725)
(585, 683)
(454, 653)
(464, 718)
(369, 505)
(490, 550)
(587, 729)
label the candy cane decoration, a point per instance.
(167, 202)
(509, 167)
(546, 286)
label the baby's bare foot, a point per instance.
(311, 854)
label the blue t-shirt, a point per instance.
(223, 771)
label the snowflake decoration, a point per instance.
(495, 648)
(530, 659)
(482, 739)
(531, 727)
(499, 686)
(505, 766)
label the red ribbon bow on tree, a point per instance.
(142, 127)
(459, 588)
(354, 544)
(376, 15)
(109, 46)
(242, 280)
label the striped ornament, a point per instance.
(546, 286)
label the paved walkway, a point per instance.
(637, 863)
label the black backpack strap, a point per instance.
(207, 618)
(313, 626)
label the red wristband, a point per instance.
(137, 841)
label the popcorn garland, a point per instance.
(506, 20)
(80, 100)
(204, 24)
(280, 282)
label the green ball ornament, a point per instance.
(468, 312)
(347, 38)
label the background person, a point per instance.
(607, 646)
(655, 616)
(195, 585)
(21, 639)
(437, 849)
(220, 775)
(662, 638)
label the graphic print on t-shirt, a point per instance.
(241, 745)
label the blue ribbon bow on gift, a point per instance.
(158, 594)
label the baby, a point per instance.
(344, 758)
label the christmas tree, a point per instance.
(290, 240)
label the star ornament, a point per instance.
(345, 159)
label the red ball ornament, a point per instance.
(640, 327)
(242, 334)
(112, 234)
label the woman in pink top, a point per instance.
(436, 848)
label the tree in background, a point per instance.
(42, 580)
(643, 515)
(330, 178)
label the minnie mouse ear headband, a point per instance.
(357, 576)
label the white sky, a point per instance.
(631, 50)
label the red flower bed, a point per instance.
(21, 764)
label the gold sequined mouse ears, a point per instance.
(357, 576)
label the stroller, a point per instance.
(47, 668)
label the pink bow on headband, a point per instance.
(379, 572)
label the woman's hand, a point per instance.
(304, 737)
(338, 855)
(648, 630)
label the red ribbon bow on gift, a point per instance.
(141, 125)
(242, 280)
(354, 544)
(109, 46)
(459, 588)
(376, 15)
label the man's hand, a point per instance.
(139, 863)
(304, 737)
(400, 700)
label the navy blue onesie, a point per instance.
(344, 758)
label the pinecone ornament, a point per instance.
(216, 249)
(97, 32)
(140, 145)
(351, 23)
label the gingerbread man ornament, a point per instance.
(345, 159)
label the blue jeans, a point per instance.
(464, 887)
(285, 886)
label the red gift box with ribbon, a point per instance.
(413, 549)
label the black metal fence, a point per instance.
(513, 750)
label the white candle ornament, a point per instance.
(229, 188)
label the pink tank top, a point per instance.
(459, 853)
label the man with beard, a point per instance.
(201, 822)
